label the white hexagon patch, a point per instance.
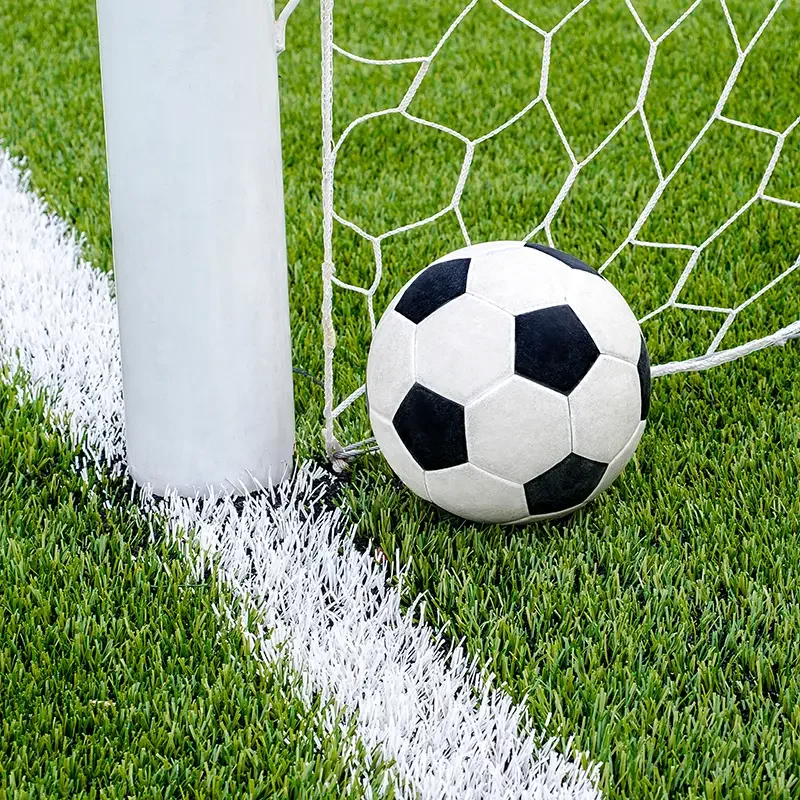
(605, 409)
(518, 430)
(464, 348)
(470, 492)
(390, 366)
(519, 280)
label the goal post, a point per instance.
(194, 158)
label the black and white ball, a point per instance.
(508, 382)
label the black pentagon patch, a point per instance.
(564, 258)
(433, 287)
(432, 429)
(568, 484)
(553, 348)
(644, 378)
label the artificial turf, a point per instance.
(660, 626)
(118, 678)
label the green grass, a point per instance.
(660, 626)
(117, 677)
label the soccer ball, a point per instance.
(508, 382)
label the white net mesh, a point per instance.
(678, 165)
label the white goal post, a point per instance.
(193, 139)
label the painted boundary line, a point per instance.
(327, 608)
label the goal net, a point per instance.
(658, 140)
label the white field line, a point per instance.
(328, 609)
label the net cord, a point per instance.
(331, 148)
